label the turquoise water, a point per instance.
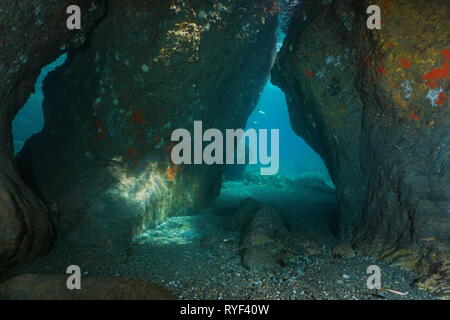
(30, 119)
(296, 157)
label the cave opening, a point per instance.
(30, 118)
(302, 192)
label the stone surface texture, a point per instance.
(374, 104)
(32, 34)
(151, 67)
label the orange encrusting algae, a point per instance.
(441, 99)
(439, 73)
(414, 116)
(436, 74)
(446, 54)
(310, 74)
(432, 84)
(171, 173)
(381, 70)
(405, 63)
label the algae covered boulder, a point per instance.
(261, 240)
(374, 104)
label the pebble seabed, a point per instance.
(195, 258)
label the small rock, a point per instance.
(299, 271)
(343, 250)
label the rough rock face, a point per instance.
(54, 287)
(32, 34)
(374, 104)
(151, 67)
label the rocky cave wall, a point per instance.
(374, 104)
(32, 34)
(103, 158)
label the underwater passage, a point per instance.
(122, 163)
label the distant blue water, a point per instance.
(296, 157)
(30, 119)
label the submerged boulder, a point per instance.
(238, 218)
(32, 34)
(343, 250)
(54, 287)
(150, 67)
(265, 225)
(374, 104)
(259, 259)
(261, 240)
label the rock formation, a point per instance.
(374, 104)
(33, 33)
(259, 240)
(150, 67)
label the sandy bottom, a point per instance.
(196, 258)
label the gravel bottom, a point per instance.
(195, 258)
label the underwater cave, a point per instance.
(88, 179)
